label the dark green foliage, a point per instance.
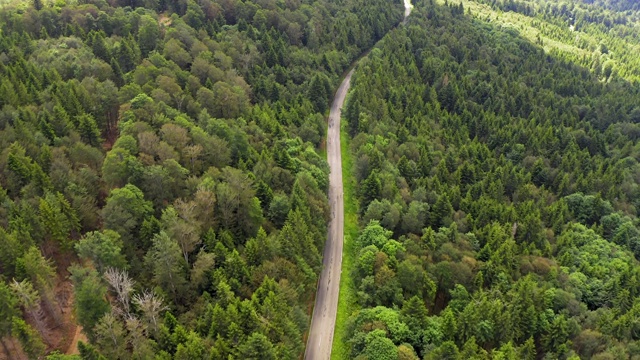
(8, 309)
(88, 352)
(148, 37)
(90, 298)
(370, 189)
(180, 141)
(257, 347)
(319, 92)
(496, 184)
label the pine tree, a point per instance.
(441, 212)
(415, 314)
(29, 339)
(88, 129)
(99, 46)
(45, 126)
(89, 352)
(257, 346)
(109, 335)
(118, 76)
(371, 189)
(90, 298)
(59, 121)
(449, 325)
(41, 272)
(528, 350)
(318, 93)
(167, 264)
(58, 218)
(126, 56)
(8, 309)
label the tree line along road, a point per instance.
(320, 340)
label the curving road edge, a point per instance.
(323, 320)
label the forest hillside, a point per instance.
(495, 152)
(162, 180)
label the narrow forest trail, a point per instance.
(320, 340)
(77, 337)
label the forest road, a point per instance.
(323, 321)
(324, 312)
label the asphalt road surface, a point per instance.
(324, 312)
(323, 321)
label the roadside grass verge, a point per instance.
(347, 298)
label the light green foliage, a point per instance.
(110, 337)
(378, 347)
(8, 308)
(103, 249)
(148, 35)
(192, 348)
(167, 265)
(59, 219)
(375, 235)
(29, 339)
(124, 213)
(120, 167)
(58, 356)
(37, 268)
(26, 295)
(140, 100)
(384, 211)
(128, 143)
(447, 351)
(414, 219)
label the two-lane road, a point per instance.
(323, 321)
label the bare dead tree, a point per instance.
(122, 285)
(151, 305)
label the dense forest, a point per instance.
(498, 192)
(595, 37)
(161, 171)
(163, 185)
